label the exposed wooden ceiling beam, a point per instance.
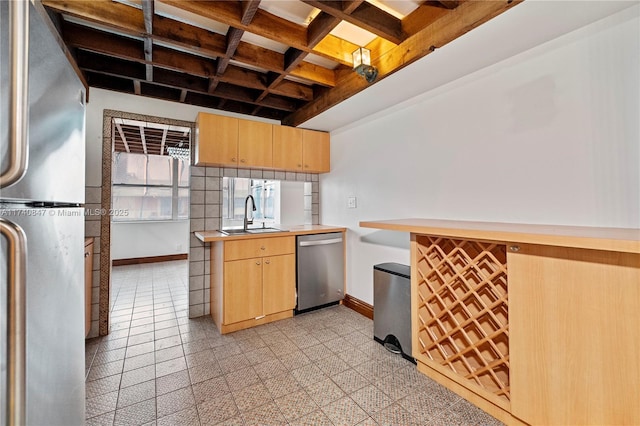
(449, 4)
(147, 13)
(317, 30)
(179, 81)
(148, 57)
(365, 16)
(184, 36)
(320, 27)
(264, 23)
(249, 9)
(452, 25)
(233, 39)
(106, 12)
(136, 87)
(130, 49)
(422, 17)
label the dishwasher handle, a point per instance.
(320, 242)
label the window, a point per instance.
(150, 187)
(234, 194)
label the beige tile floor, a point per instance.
(158, 367)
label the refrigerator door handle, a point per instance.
(19, 93)
(16, 321)
(320, 242)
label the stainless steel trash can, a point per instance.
(392, 307)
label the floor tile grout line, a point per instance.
(197, 326)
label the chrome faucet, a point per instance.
(246, 203)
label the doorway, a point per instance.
(145, 189)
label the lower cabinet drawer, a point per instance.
(258, 247)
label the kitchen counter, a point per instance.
(211, 236)
(535, 324)
(609, 239)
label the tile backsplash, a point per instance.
(206, 209)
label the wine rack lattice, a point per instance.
(463, 309)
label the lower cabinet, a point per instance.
(278, 284)
(574, 330)
(253, 282)
(242, 290)
(255, 288)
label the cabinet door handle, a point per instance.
(257, 263)
(242, 160)
(267, 262)
(300, 165)
(306, 166)
(263, 248)
(86, 254)
(233, 160)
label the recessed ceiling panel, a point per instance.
(264, 42)
(350, 32)
(247, 66)
(319, 60)
(397, 8)
(291, 10)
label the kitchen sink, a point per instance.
(265, 230)
(233, 231)
(251, 231)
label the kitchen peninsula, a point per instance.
(253, 276)
(532, 323)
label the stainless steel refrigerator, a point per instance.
(42, 125)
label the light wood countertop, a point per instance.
(209, 236)
(609, 239)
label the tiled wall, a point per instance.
(92, 229)
(206, 209)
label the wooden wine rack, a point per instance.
(462, 309)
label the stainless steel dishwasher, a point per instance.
(320, 270)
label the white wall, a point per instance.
(549, 136)
(146, 239)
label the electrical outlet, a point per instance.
(351, 202)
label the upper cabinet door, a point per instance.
(216, 140)
(287, 148)
(255, 147)
(315, 151)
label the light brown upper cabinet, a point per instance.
(228, 141)
(287, 148)
(255, 147)
(216, 140)
(301, 150)
(315, 151)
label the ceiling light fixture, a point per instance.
(362, 64)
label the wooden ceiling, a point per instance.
(255, 57)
